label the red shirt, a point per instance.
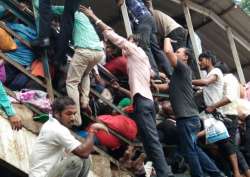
(117, 66)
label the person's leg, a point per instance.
(144, 29)
(232, 126)
(95, 58)
(67, 25)
(71, 166)
(85, 168)
(45, 17)
(187, 138)
(75, 73)
(160, 57)
(207, 164)
(228, 149)
(145, 118)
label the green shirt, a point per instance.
(5, 102)
(84, 34)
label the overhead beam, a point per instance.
(220, 22)
(208, 21)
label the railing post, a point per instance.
(235, 56)
(192, 35)
(126, 19)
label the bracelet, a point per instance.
(98, 21)
(92, 130)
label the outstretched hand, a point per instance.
(86, 11)
(99, 126)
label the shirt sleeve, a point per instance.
(5, 102)
(180, 66)
(230, 90)
(118, 40)
(66, 139)
(216, 72)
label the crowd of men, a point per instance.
(156, 51)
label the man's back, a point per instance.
(165, 24)
(181, 92)
(49, 147)
(84, 34)
(213, 92)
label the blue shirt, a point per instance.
(22, 55)
(137, 10)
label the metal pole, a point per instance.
(235, 55)
(45, 57)
(126, 19)
(192, 36)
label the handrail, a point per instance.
(97, 149)
(24, 71)
(13, 8)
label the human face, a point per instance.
(181, 54)
(203, 62)
(67, 116)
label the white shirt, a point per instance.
(232, 92)
(214, 92)
(243, 107)
(49, 148)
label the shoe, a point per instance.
(40, 42)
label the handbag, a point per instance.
(215, 129)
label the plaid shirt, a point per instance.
(137, 9)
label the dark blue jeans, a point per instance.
(198, 160)
(147, 30)
(145, 119)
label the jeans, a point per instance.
(71, 166)
(67, 23)
(197, 159)
(145, 119)
(147, 30)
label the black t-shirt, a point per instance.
(181, 91)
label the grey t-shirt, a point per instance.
(181, 91)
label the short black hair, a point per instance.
(136, 38)
(223, 67)
(208, 55)
(60, 103)
(189, 53)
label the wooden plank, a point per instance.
(103, 153)
(12, 33)
(106, 101)
(192, 36)
(235, 56)
(12, 94)
(13, 7)
(116, 134)
(23, 70)
(47, 76)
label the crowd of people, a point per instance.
(127, 72)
